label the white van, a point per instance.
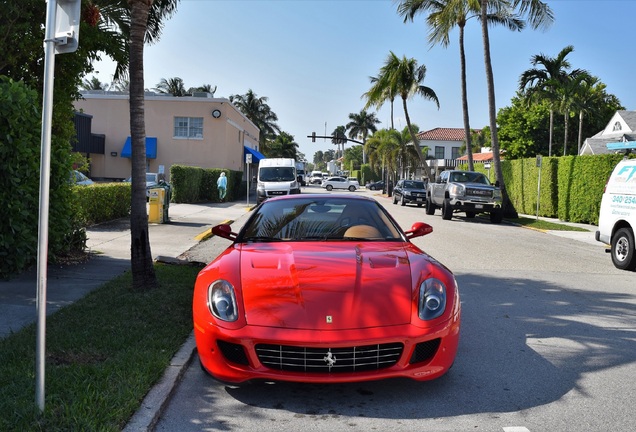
(617, 217)
(276, 176)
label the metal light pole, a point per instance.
(61, 36)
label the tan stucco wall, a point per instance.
(220, 147)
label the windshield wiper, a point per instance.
(262, 239)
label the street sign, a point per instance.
(248, 158)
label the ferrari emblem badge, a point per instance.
(329, 319)
(330, 359)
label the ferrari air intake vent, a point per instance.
(234, 353)
(329, 360)
(424, 351)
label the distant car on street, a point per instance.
(376, 185)
(339, 183)
(409, 191)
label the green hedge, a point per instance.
(195, 184)
(102, 202)
(571, 186)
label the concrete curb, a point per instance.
(146, 417)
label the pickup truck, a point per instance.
(464, 191)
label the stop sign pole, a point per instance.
(61, 36)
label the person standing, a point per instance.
(221, 184)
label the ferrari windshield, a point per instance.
(314, 218)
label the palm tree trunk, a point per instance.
(565, 134)
(551, 128)
(580, 138)
(416, 142)
(507, 207)
(462, 55)
(143, 272)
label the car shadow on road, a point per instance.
(522, 345)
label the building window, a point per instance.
(439, 152)
(617, 127)
(455, 153)
(188, 127)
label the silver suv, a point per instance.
(464, 191)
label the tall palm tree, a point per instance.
(405, 77)
(590, 97)
(362, 124)
(378, 99)
(543, 80)
(539, 15)
(568, 93)
(443, 16)
(143, 273)
(258, 112)
(173, 86)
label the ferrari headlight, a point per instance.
(432, 300)
(222, 301)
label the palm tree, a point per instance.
(258, 112)
(539, 15)
(378, 99)
(568, 94)
(406, 153)
(381, 148)
(205, 88)
(173, 86)
(142, 23)
(443, 16)
(405, 77)
(284, 146)
(543, 82)
(362, 124)
(590, 97)
(93, 84)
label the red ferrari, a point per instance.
(325, 288)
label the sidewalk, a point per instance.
(110, 242)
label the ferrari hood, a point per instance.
(326, 286)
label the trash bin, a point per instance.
(156, 199)
(166, 199)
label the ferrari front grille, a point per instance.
(232, 352)
(329, 360)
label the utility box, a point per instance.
(157, 202)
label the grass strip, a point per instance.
(543, 225)
(103, 354)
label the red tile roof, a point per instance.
(478, 157)
(443, 134)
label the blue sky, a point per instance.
(313, 58)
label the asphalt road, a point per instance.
(547, 344)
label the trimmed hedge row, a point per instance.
(571, 186)
(102, 202)
(194, 184)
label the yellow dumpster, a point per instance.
(156, 202)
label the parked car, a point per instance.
(77, 178)
(379, 185)
(339, 183)
(374, 306)
(617, 215)
(464, 191)
(152, 180)
(409, 191)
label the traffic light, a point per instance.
(313, 137)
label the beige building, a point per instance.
(197, 130)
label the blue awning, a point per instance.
(624, 145)
(151, 148)
(256, 155)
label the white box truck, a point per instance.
(617, 217)
(276, 176)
